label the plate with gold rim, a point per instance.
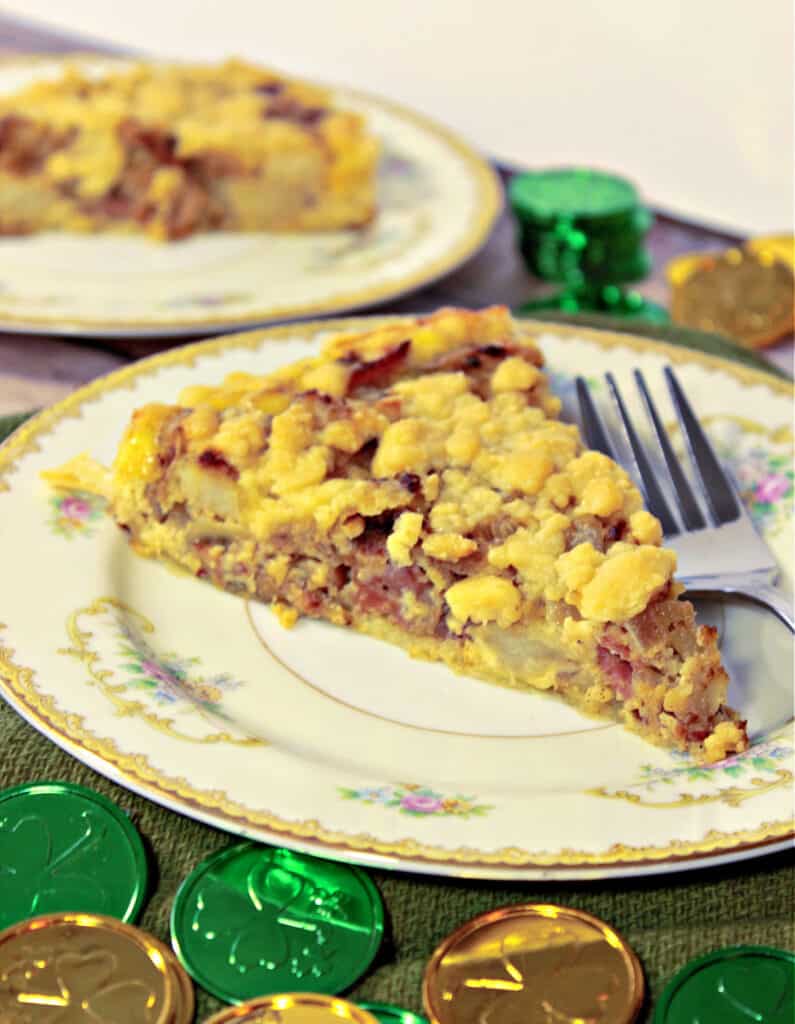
(437, 198)
(337, 744)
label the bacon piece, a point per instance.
(162, 146)
(378, 373)
(212, 459)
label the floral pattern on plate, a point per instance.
(207, 300)
(162, 689)
(766, 482)
(682, 781)
(418, 801)
(761, 462)
(169, 678)
(75, 513)
(763, 757)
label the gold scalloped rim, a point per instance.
(18, 681)
(487, 206)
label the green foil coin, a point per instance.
(541, 197)
(387, 1014)
(737, 985)
(255, 920)
(586, 230)
(64, 847)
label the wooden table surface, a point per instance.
(36, 370)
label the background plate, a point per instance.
(437, 201)
(329, 742)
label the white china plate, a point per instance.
(437, 201)
(330, 742)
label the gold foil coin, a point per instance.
(184, 997)
(294, 1008)
(744, 294)
(75, 967)
(778, 247)
(683, 267)
(533, 964)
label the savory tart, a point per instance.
(414, 482)
(176, 149)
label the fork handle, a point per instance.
(762, 592)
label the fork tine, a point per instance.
(655, 499)
(592, 426)
(689, 509)
(715, 485)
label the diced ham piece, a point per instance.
(618, 671)
(382, 594)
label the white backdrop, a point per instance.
(691, 98)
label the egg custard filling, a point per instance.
(414, 482)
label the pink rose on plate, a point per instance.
(75, 508)
(155, 671)
(420, 804)
(771, 488)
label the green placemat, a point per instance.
(8, 424)
(668, 919)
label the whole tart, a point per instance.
(414, 482)
(171, 150)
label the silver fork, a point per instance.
(717, 545)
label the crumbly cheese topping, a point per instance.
(483, 599)
(503, 481)
(404, 536)
(616, 585)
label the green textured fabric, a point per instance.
(667, 919)
(8, 424)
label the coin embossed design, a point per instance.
(532, 964)
(71, 968)
(253, 920)
(65, 847)
(294, 1008)
(736, 985)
